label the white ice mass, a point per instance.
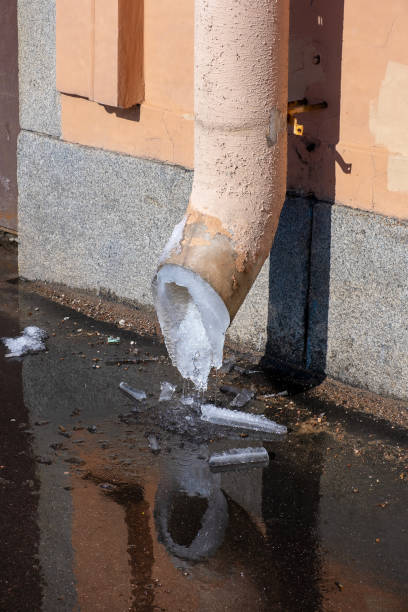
(239, 456)
(243, 420)
(193, 319)
(30, 341)
(167, 391)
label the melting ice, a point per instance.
(167, 391)
(137, 394)
(239, 457)
(243, 420)
(193, 319)
(30, 341)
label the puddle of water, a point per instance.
(108, 524)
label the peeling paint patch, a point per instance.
(277, 125)
(388, 115)
(389, 126)
(398, 173)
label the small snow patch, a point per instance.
(30, 341)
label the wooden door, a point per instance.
(9, 123)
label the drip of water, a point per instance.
(193, 319)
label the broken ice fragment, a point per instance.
(30, 341)
(242, 398)
(243, 420)
(187, 401)
(113, 340)
(135, 393)
(154, 444)
(269, 395)
(166, 391)
(240, 457)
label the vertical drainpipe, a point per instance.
(241, 97)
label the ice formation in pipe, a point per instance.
(240, 135)
(193, 319)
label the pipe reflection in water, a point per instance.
(191, 511)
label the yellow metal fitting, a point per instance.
(301, 106)
(297, 128)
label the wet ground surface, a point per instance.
(109, 504)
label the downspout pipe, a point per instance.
(218, 249)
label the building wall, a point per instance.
(360, 154)
(100, 189)
(164, 129)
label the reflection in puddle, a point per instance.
(132, 516)
(190, 510)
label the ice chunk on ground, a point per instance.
(243, 397)
(187, 401)
(242, 420)
(239, 457)
(167, 391)
(30, 341)
(35, 332)
(269, 395)
(137, 394)
(193, 319)
(154, 444)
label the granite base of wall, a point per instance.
(39, 99)
(358, 299)
(332, 298)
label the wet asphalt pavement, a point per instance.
(94, 518)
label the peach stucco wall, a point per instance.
(352, 54)
(373, 128)
(165, 128)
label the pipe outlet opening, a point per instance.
(193, 319)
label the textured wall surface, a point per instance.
(358, 309)
(98, 220)
(94, 219)
(333, 296)
(39, 100)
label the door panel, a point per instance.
(9, 124)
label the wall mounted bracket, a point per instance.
(297, 107)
